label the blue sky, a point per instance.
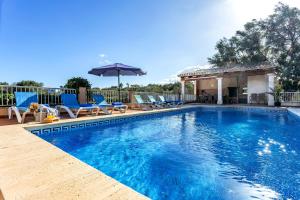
(52, 40)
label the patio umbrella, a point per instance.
(117, 69)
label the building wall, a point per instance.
(256, 84)
(210, 85)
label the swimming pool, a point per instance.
(200, 153)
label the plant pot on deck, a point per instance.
(39, 117)
(277, 104)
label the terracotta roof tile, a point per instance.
(220, 70)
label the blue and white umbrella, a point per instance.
(117, 69)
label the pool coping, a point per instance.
(32, 168)
(294, 111)
(92, 121)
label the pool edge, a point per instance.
(17, 137)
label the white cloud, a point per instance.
(103, 60)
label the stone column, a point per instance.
(130, 96)
(195, 87)
(220, 95)
(82, 95)
(182, 90)
(196, 90)
(270, 89)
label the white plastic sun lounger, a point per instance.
(23, 102)
(73, 108)
(155, 103)
(102, 103)
(143, 105)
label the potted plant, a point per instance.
(277, 93)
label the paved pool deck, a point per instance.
(31, 168)
(295, 111)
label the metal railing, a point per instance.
(258, 98)
(109, 95)
(112, 95)
(46, 95)
(290, 97)
(190, 98)
(169, 96)
(125, 97)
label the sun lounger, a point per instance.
(102, 103)
(73, 108)
(170, 103)
(157, 104)
(23, 103)
(142, 104)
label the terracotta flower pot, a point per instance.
(277, 104)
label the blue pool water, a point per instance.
(202, 154)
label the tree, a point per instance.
(158, 88)
(77, 82)
(226, 53)
(4, 83)
(246, 47)
(275, 40)
(283, 40)
(29, 83)
(250, 44)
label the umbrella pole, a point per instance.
(119, 89)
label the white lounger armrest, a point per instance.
(69, 111)
(49, 109)
(15, 109)
(122, 108)
(75, 115)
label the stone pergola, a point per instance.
(254, 78)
